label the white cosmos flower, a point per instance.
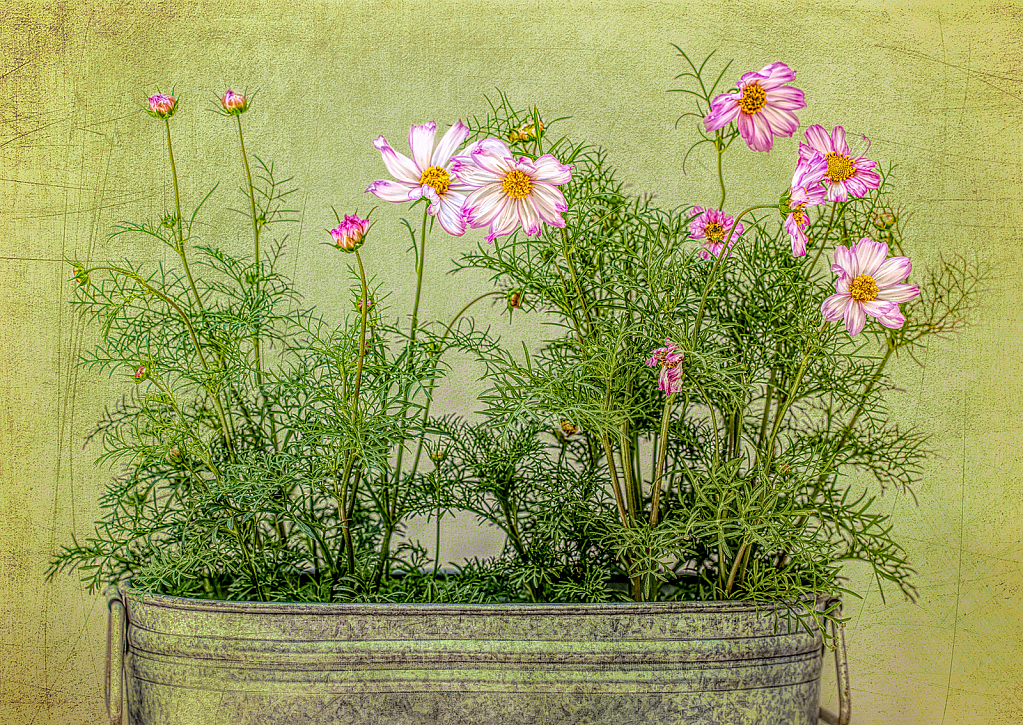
(427, 173)
(506, 192)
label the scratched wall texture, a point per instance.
(936, 86)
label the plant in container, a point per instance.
(668, 467)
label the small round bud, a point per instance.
(169, 221)
(162, 106)
(568, 428)
(527, 131)
(234, 103)
(141, 374)
(174, 454)
(437, 455)
(884, 220)
(514, 299)
(350, 234)
(80, 276)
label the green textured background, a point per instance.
(937, 88)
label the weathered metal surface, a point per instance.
(198, 662)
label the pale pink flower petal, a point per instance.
(761, 108)
(451, 140)
(420, 140)
(868, 284)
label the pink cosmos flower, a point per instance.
(427, 174)
(805, 191)
(762, 107)
(506, 192)
(868, 284)
(844, 176)
(669, 379)
(161, 106)
(713, 226)
(350, 234)
(234, 103)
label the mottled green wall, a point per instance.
(936, 87)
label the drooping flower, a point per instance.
(234, 103)
(350, 234)
(845, 175)
(506, 192)
(762, 107)
(713, 226)
(868, 284)
(805, 191)
(162, 106)
(428, 173)
(669, 378)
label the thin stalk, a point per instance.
(719, 145)
(662, 452)
(575, 279)
(718, 263)
(615, 485)
(248, 558)
(180, 222)
(735, 567)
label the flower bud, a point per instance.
(161, 106)
(350, 234)
(80, 275)
(438, 455)
(527, 131)
(366, 302)
(174, 454)
(169, 221)
(251, 278)
(884, 220)
(141, 374)
(514, 299)
(234, 103)
(568, 428)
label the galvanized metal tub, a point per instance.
(201, 662)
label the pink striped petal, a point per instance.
(892, 270)
(552, 171)
(855, 318)
(834, 307)
(838, 141)
(448, 143)
(869, 255)
(723, 110)
(899, 292)
(420, 140)
(786, 99)
(818, 140)
(393, 191)
(400, 166)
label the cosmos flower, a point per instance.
(713, 226)
(161, 106)
(507, 192)
(350, 234)
(868, 284)
(845, 175)
(669, 378)
(805, 191)
(234, 103)
(762, 107)
(427, 173)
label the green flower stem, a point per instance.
(735, 567)
(436, 359)
(720, 146)
(713, 419)
(248, 558)
(662, 452)
(179, 220)
(256, 229)
(575, 279)
(571, 312)
(615, 484)
(767, 409)
(790, 397)
(718, 264)
(632, 494)
(191, 331)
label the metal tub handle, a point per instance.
(842, 673)
(114, 690)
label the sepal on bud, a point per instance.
(233, 103)
(162, 106)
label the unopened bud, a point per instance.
(80, 275)
(569, 428)
(514, 299)
(174, 454)
(162, 106)
(364, 303)
(234, 103)
(527, 131)
(251, 278)
(884, 220)
(141, 374)
(438, 455)
(350, 234)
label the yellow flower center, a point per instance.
(517, 185)
(714, 232)
(753, 100)
(662, 359)
(863, 288)
(840, 167)
(436, 177)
